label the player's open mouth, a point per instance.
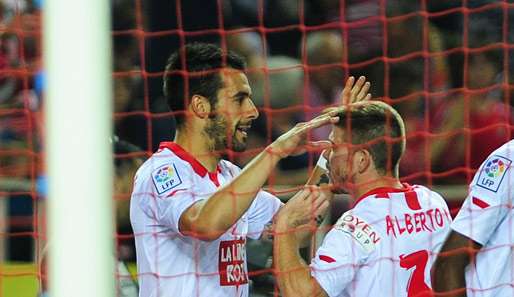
(243, 129)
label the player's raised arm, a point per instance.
(353, 92)
(293, 275)
(448, 270)
(208, 219)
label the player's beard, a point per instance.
(219, 132)
(338, 183)
(341, 180)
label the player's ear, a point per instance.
(200, 106)
(364, 160)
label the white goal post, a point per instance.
(78, 115)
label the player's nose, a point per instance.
(251, 110)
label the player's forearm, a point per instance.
(306, 233)
(227, 205)
(448, 270)
(448, 278)
(293, 275)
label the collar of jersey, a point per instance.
(184, 155)
(383, 192)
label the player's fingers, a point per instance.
(318, 205)
(298, 128)
(318, 145)
(368, 97)
(318, 201)
(357, 87)
(318, 122)
(313, 194)
(312, 188)
(359, 83)
(298, 197)
(329, 111)
(349, 82)
(345, 94)
(363, 91)
(321, 211)
(303, 194)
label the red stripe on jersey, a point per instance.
(382, 192)
(480, 203)
(327, 259)
(195, 164)
(412, 200)
(213, 176)
(382, 195)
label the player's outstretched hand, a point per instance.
(355, 91)
(304, 207)
(294, 141)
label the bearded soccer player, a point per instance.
(190, 210)
(477, 258)
(383, 246)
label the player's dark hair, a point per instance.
(193, 70)
(378, 128)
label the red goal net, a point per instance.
(446, 66)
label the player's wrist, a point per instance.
(281, 218)
(276, 151)
(283, 224)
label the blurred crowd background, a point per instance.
(446, 66)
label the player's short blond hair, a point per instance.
(377, 127)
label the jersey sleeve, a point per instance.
(487, 204)
(165, 191)
(345, 248)
(261, 213)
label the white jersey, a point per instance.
(487, 217)
(385, 245)
(172, 264)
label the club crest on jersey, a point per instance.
(361, 231)
(166, 178)
(493, 172)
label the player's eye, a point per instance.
(240, 98)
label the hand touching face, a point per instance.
(305, 206)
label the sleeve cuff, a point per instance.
(466, 232)
(325, 285)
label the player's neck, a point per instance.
(370, 183)
(195, 145)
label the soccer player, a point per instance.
(383, 246)
(191, 211)
(477, 258)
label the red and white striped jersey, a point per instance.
(172, 264)
(385, 245)
(487, 217)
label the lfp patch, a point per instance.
(166, 178)
(493, 172)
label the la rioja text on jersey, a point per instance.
(232, 262)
